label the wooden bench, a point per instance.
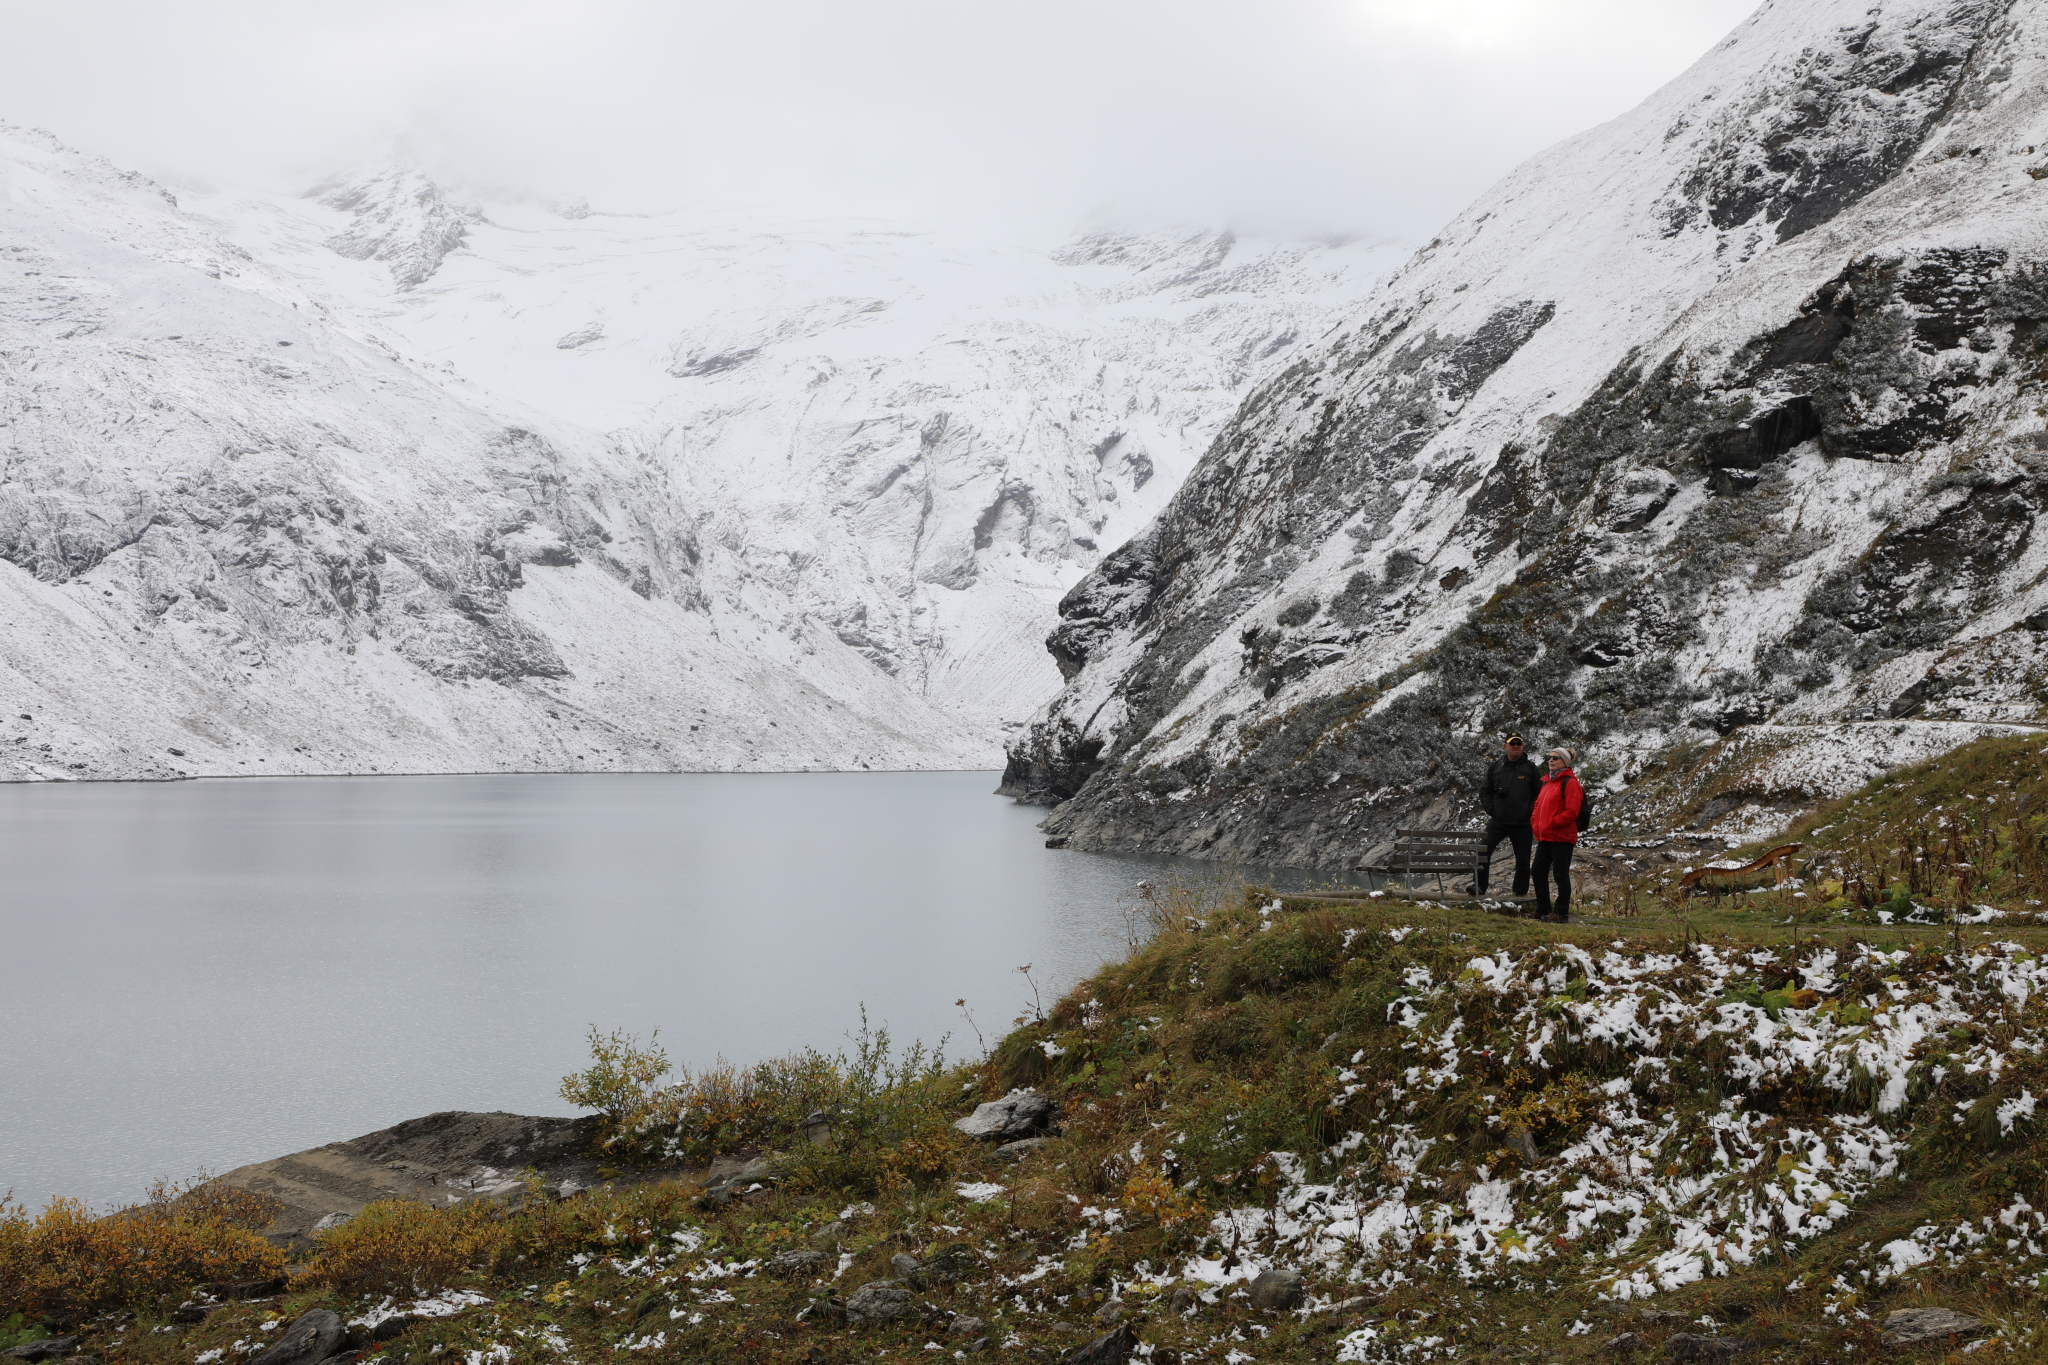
(1433, 852)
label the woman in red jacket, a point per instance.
(1555, 823)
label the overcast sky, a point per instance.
(1373, 116)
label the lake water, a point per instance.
(202, 974)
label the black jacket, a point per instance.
(1509, 792)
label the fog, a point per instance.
(1380, 117)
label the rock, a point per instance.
(1110, 1313)
(247, 1289)
(717, 1198)
(1692, 1346)
(955, 1262)
(311, 1339)
(49, 1348)
(1519, 1141)
(1184, 1300)
(790, 1265)
(1910, 1325)
(1348, 1305)
(905, 1265)
(1019, 1114)
(977, 1346)
(470, 1154)
(1113, 1349)
(817, 1125)
(392, 1326)
(1623, 1344)
(1660, 1315)
(1275, 1290)
(329, 1223)
(190, 1313)
(966, 1327)
(832, 1234)
(879, 1301)
(1021, 1148)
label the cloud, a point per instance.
(1378, 116)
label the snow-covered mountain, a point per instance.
(398, 483)
(1710, 441)
(241, 536)
(915, 440)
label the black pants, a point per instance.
(1519, 836)
(1554, 859)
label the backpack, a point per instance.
(1585, 807)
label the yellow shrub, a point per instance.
(398, 1246)
(1149, 1194)
(66, 1263)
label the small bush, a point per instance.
(619, 1082)
(66, 1263)
(398, 1246)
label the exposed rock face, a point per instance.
(441, 1159)
(402, 218)
(1726, 413)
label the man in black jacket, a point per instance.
(1508, 795)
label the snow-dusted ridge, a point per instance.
(1723, 412)
(394, 478)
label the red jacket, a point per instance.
(1556, 817)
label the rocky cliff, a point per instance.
(1710, 441)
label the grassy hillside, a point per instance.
(1476, 1138)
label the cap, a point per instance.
(1514, 739)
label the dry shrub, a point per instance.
(399, 1246)
(66, 1263)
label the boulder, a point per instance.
(1110, 1313)
(1019, 1114)
(966, 1327)
(311, 1339)
(1112, 1349)
(832, 1234)
(1184, 1300)
(1623, 1344)
(792, 1265)
(1692, 1346)
(1275, 1290)
(1908, 1326)
(880, 1301)
(48, 1348)
(393, 1326)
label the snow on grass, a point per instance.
(1647, 1194)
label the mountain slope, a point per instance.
(240, 536)
(1726, 412)
(917, 440)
